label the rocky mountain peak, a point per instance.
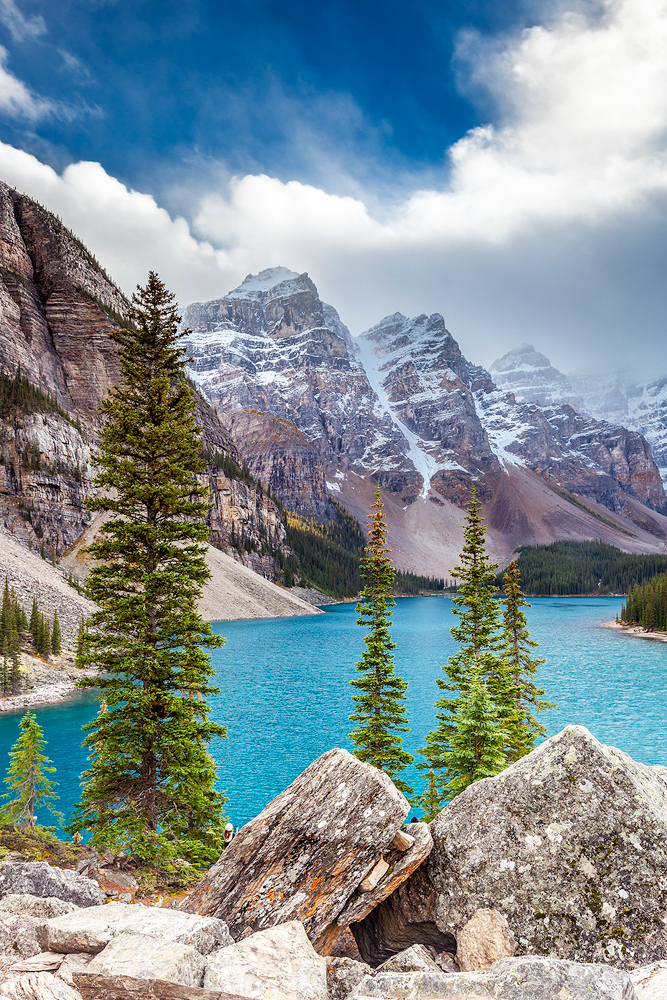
(533, 379)
(268, 280)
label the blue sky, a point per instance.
(503, 163)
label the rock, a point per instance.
(38, 878)
(307, 852)
(345, 946)
(446, 961)
(46, 961)
(18, 935)
(414, 959)
(405, 918)
(575, 878)
(127, 988)
(343, 976)
(528, 978)
(401, 862)
(71, 964)
(36, 906)
(38, 986)
(650, 982)
(92, 930)
(485, 939)
(279, 963)
(144, 957)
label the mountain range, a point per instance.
(295, 408)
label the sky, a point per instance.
(503, 163)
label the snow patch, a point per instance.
(263, 281)
(333, 487)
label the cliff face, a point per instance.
(57, 310)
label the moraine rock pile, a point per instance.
(546, 881)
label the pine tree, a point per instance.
(27, 776)
(477, 745)
(524, 729)
(380, 709)
(79, 660)
(56, 635)
(480, 653)
(150, 785)
(34, 622)
(431, 799)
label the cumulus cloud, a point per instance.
(550, 227)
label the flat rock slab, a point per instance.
(92, 929)
(43, 907)
(307, 852)
(39, 879)
(126, 988)
(144, 957)
(279, 963)
(528, 978)
(414, 959)
(401, 866)
(570, 843)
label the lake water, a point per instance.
(285, 695)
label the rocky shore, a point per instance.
(637, 630)
(543, 882)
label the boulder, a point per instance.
(36, 906)
(93, 987)
(39, 879)
(405, 918)
(414, 959)
(74, 962)
(650, 982)
(279, 963)
(527, 978)
(92, 929)
(401, 863)
(144, 957)
(485, 939)
(38, 986)
(541, 842)
(343, 976)
(46, 961)
(446, 961)
(305, 855)
(18, 936)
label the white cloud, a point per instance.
(550, 227)
(21, 28)
(16, 100)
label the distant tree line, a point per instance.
(18, 632)
(646, 604)
(19, 395)
(325, 556)
(411, 583)
(583, 568)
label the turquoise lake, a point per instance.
(285, 694)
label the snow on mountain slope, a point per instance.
(531, 377)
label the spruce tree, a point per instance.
(34, 622)
(27, 776)
(380, 706)
(477, 745)
(56, 634)
(150, 787)
(524, 728)
(431, 799)
(479, 660)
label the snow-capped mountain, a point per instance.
(401, 404)
(611, 397)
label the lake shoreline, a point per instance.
(636, 630)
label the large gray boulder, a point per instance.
(144, 957)
(279, 963)
(92, 929)
(306, 854)
(650, 982)
(38, 986)
(38, 878)
(18, 936)
(529, 978)
(570, 843)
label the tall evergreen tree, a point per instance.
(479, 659)
(380, 705)
(524, 728)
(56, 634)
(150, 785)
(27, 776)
